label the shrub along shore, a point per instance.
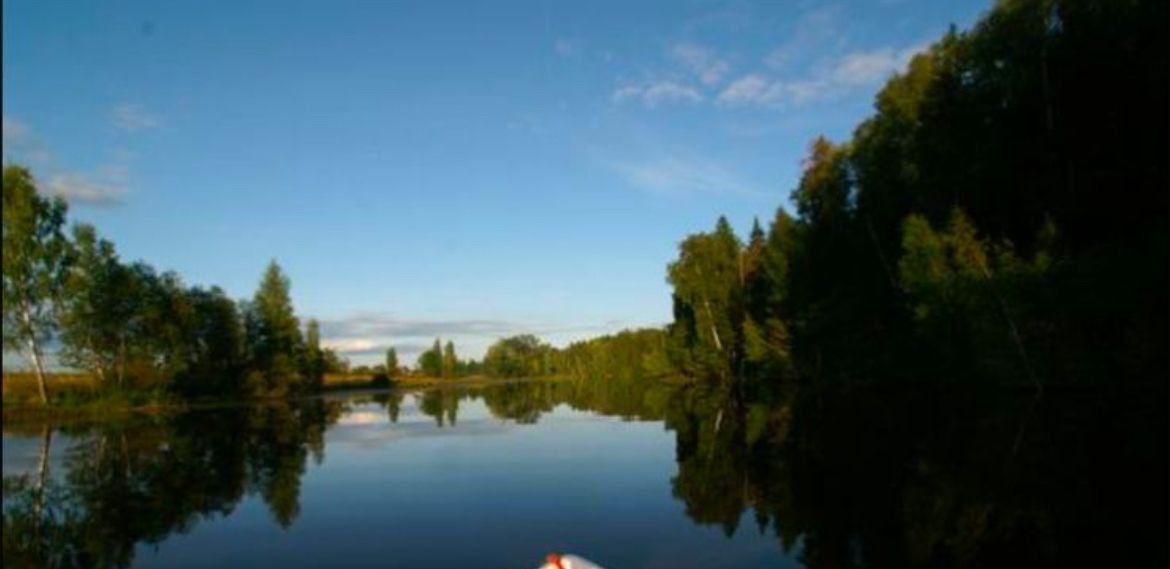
(80, 397)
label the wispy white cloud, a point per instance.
(355, 345)
(369, 334)
(836, 78)
(133, 118)
(701, 61)
(78, 188)
(370, 325)
(812, 65)
(867, 67)
(682, 174)
(752, 89)
(652, 94)
(106, 187)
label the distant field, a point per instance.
(350, 381)
(20, 388)
(77, 396)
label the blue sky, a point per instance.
(470, 170)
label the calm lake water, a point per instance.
(436, 479)
(632, 474)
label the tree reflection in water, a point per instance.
(139, 481)
(911, 475)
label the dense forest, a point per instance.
(953, 350)
(134, 328)
(1000, 218)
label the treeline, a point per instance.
(627, 355)
(969, 298)
(441, 361)
(131, 326)
(1001, 216)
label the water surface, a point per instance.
(435, 479)
(633, 474)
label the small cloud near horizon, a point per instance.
(366, 336)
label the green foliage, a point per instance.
(966, 295)
(391, 361)
(450, 363)
(519, 356)
(708, 280)
(275, 346)
(96, 308)
(134, 328)
(731, 304)
(628, 356)
(36, 256)
(822, 198)
(141, 480)
(216, 346)
(314, 365)
(1003, 123)
(333, 363)
(441, 404)
(430, 362)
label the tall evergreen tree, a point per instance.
(391, 361)
(450, 361)
(314, 357)
(274, 337)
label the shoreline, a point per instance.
(108, 407)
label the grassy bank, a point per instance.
(78, 397)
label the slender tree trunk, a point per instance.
(715, 436)
(710, 315)
(34, 350)
(882, 256)
(96, 362)
(121, 361)
(1015, 332)
(42, 480)
(714, 330)
(39, 369)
